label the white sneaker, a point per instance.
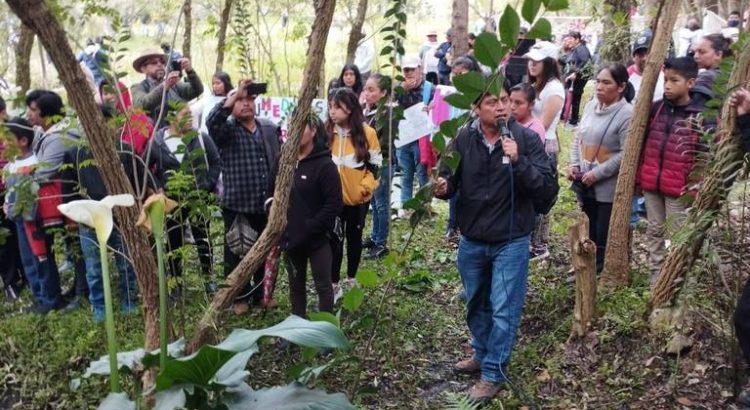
(404, 213)
(351, 283)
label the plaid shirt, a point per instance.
(246, 161)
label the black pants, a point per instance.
(252, 292)
(353, 220)
(320, 265)
(742, 322)
(11, 270)
(80, 285)
(575, 105)
(598, 213)
(176, 239)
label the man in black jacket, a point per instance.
(249, 150)
(503, 172)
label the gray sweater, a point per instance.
(598, 144)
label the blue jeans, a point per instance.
(495, 278)
(408, 161)
(381, 207)
(127, 286)
(43, 278)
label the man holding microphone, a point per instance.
(502, 176)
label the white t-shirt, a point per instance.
(553, 88)
(636, 79)
(16, 164)
(173, 143)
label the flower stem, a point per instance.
(109, 320)
(156, 215)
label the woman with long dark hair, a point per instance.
(597, 151)
(356, 152)
(708, 53)
(221, 85)
(314, 202)
(544, 76)
(350, 77)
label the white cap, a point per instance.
(542, 50)
(410, 62)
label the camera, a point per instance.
(175, 65)
(257, 88)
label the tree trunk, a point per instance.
(23, 57)
(38, 17)
(356, 34)
(583, 258)
(223, 24)
(187, 10)
(460, 26)
(616, 262)
(713, 192)
(277, 219)
(616, 47)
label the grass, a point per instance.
(421, 332)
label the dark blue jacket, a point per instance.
(443, 66)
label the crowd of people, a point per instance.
(499, 195)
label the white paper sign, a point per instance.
(415, 125)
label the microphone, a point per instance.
(502, 126)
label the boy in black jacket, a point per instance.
(502, 174)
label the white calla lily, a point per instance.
(98, 215)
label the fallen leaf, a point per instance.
(701, 368)
(543, 376)
(684, 401)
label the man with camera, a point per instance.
(148, 93)
(249, 149)
(504, 178)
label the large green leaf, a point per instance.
(131, 359)
(470, 82)
(202, 367)
(368, 279)
(117, 401)
(353, 299)
(459, 100)
(542, 29)
(290, 397)
(510, 24)
(530, 9)
(488, 50)
(556, 5)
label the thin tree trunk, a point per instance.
(187, 11)
(583, 258)
(616, 262)
(460, 26)
(23, 57)
(208, 324)
(38, 17)
(713, 192)
(616, 47)
(356, 34)
(223, 24)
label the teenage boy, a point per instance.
(672, 136)
(503, 170)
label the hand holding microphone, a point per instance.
(510, 148)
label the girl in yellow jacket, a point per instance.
(356, 153)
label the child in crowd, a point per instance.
(522, 97)
(672, 137)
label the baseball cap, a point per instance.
(410, 62)
(432, 33)
(642, 42)
(542, 50)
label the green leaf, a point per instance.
(438, 141)
(495, 85)
(530, 9)
(459, 100)
(170, 399)
(290, 397)
(509, 25)
(542, 29)
(117, 401)
(488, 50)
(353, 299)
(556, 5)
(368, 279)
(202, 367)
(470, 82)
(325, 317)
(452, 161)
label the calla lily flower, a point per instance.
(98, 215)
(152, 218)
